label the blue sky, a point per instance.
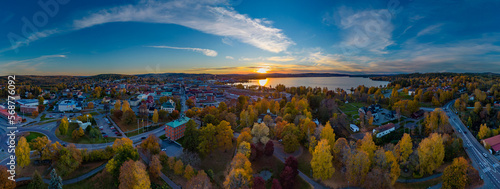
(68, 37)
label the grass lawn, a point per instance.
(275, 166)
(43, 118)
(305, 162)
(123, 127)
(218, 162)
(82, 140)
(99, 180)
(33, 135)
(84, 168)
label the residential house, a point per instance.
(384, 130)
(494, 143)
(168, 106)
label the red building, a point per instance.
(175, 129)
(4, 113)
(28, 109)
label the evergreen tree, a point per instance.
(55, 181)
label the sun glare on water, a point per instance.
(263, 82)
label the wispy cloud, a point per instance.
(369, 30)
(430, 30)
(230, 57)
(27, 65)
(272, 58)
(206, 16)
(207, 52)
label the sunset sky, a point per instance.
(249, 36)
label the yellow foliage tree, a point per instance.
(240, 175)
(328, 134)
(188, 172)
(244, 136)
(23, 152)
(179, 167)
(155, 167)
(224, 135)
(244, 148)
(484, 131)
(133, 175)
(404, 148)
(357, 166)
(368, 145)
(431, 153)
(155, 116)
(455, 175)
(321, 162)
(39, 144)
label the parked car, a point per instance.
(485, 155)
(143, 138)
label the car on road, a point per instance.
(465, 132)
(142, 138)
(485, 155)
(164, 149)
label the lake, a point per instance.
(330, 82)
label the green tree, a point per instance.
(55, 180)
(208, 140)
(36, 181)
(191, 136)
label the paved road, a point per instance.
(487, 165)
(165, 178)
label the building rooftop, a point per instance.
(178, 122)
(385, 127)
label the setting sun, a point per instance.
(262, 70)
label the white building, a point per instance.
(354, 128)
(168, 106)
(384, 130)
(69, 105)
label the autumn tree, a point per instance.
(179, 167)
(240, 174)
(151, 144)
(328, 134)
(287, 177)
(276, 184)
(34, 113)
(290, 143)
(77, 133)
(357, 166)
(63, 126)
(244, 148)
(69, 160)
(404, 148)
(133, 175)
(155, 167)
(477, 107)
(124, 150)
(321, 162)
(484, 132)
(431, 153)
(155, 116)
(224, 135)
(259, 183)
(208, 140)
(260, 133)
(455, 175)
(269, 148)
(6, 183)
(200, 181)
(23, 153)
(368, 145)
(90, 105)
(39, 144)
(188, 172)
(191, 135)
(244, 136)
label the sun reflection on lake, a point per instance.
(263, 82)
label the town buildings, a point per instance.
(175, 129)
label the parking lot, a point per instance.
(107, 128)
(171, 148)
